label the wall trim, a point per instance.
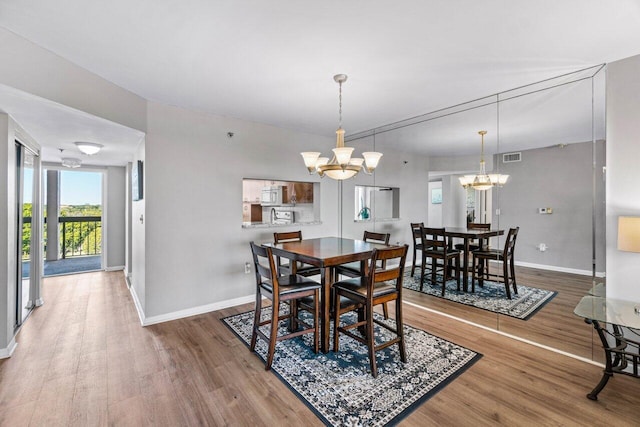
(39, 302)
(560, 269)
(115, 268)
(180, 314)
(8, 351)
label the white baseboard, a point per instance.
(136, 302)
(180, 314)
(559, 269)
(8, 351)
(115, 268)
(39, 302)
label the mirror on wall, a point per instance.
(549, 138)
(376, 203)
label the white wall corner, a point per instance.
(8, 351)
(207, 308)
(115, 268)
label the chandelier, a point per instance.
(483, 181)
(342, 165)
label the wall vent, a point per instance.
(511, 157)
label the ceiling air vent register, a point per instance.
(511, 157)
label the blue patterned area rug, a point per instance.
(491, 297)
(338, 386)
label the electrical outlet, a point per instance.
(542, 247)
(247, 268)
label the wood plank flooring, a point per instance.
(83, 359)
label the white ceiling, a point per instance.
(273, 62)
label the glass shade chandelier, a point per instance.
(483, 181)
(341, 166)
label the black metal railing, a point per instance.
(79, 235)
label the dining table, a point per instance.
(326, 253)
(467, 234)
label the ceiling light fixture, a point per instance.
(483, 181)
(71, 162)
(88, 148)
(341, 166)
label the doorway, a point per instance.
(73, 221)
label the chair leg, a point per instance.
(370, 340)
(434, 267)
(400, 329)
(336, 320)
(316, 321)
(274, 332)
(422, 266)
(457, 261)
(385, 310)
(505, 277)
(445, 267)
(256, 321)
(513, 277)
(413, 265)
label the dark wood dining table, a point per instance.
(466, 234)
(326, 253)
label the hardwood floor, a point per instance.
(83, 359)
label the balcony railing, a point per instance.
(78, 236)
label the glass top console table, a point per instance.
(612, 319)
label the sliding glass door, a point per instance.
(25, 283)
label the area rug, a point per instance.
(491, 297)
(338, 386)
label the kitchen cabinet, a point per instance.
(303, 192)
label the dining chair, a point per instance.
(481, 259)
(474, 246)
(417, 242)
(352, 269)
(436, 247)
(283, 265)
(377, 286)
(282, 289)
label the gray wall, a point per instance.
(138, 241)
(623, 173)
(560, 178)
(7, 233)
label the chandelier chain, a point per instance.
(340, 103)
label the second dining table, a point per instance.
(326, 253)
(466, 234)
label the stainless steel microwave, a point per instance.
(271, 195)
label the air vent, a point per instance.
(511, 157)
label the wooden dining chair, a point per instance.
(475, 246)
(277, 288)
(352, 269)
(435, 246)
(283, 265)
(481, 259)
(417, 242)
(363, 293)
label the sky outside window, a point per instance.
(80, 188)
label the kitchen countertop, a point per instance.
(268, 225)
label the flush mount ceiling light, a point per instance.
(71, 162)
(483, 181)
(341, 166)
(88, 148)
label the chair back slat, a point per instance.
(393, 253)
(510, 243)
(263, 265)
(478, 226)
(290, 236)
(433, 238)
(381, 238)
